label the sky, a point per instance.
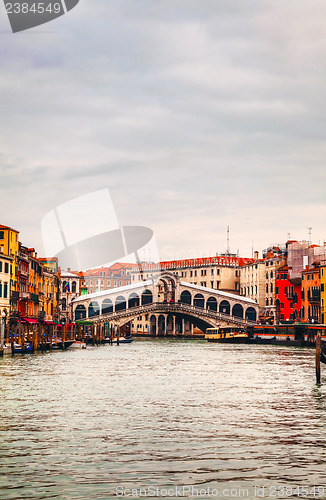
(195, 114)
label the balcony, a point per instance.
(314, 298)
(23, 296)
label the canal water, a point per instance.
(158, 415)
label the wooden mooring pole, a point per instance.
(318, 351)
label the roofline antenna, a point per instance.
(309, 231)
(228, 240)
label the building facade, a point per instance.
(70, 289)
(252, 281)
(5, 263)
(311, 294)
(9, 245)
(218, 273)
(104, 278)
(287, 296)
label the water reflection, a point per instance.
(161, 413)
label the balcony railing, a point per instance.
(24, 295)
(314, 298)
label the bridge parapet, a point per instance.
(212, 318)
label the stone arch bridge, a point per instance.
(165, 305)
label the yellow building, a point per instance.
(9, 246)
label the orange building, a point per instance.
(310, 294)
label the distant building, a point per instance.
(221, 272)
(70, 288)
(104, 278)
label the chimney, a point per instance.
(256, 255)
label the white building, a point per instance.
(68, 294)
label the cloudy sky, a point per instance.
(196, 114)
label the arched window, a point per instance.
(73, 287)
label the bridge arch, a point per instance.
(80, 312)
(133, 300)
(224, 307)
(120, 303)
(93, 309)
(161, 325)
(237, 311)
(251, 314)
(211, 304)
(185, 297)
(199, 300)
(146, 297)
(152, 325)
(107, 306)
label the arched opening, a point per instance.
(166, 288)
(73, 287)
(251, 314)
(211, 304)
(80, 312)
(133, 300)
(224, 307)
(120, 303)
(93, 309)
(161, 325)
(169, 325)
(63, 304)
(107, 306)
(146, 297)
(185, 297)
(199, 300)
(64, 289)
(152, 325)
(237, 310)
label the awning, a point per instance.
(49, 322)
(30, 320)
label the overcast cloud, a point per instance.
(196, 115)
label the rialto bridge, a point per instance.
(165, 305)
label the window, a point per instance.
(267, 275)
(203, 272)
(191, 274)
(217, 271)
(5, 290)
(195, 273)
(267, 288)
(267, 302)
(2, 235)
(271, 274)
(0, 266)
(6, 267)
(212, 271)
(73, 287)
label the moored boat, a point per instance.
(78, 345)
(227, 335)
